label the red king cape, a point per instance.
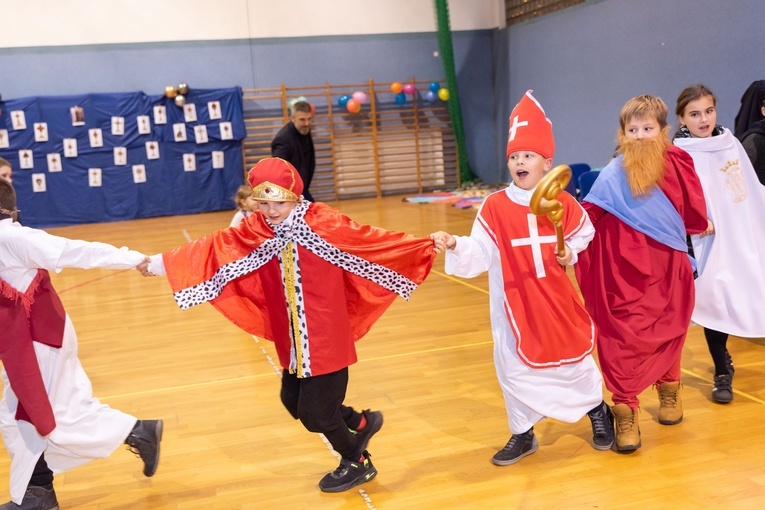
(546, 315)
(346, 275)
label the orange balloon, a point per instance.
(353, 106)
(396, 87)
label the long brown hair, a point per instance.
(692, 93)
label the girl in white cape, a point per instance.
(730, 288)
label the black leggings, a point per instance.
(42, 476)
(318, 403)
(717, 341)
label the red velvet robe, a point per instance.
(346, 275)
(640, 292)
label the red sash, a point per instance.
(37, 315)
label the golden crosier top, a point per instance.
(270, 192)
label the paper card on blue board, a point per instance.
(144, 125)
(118, 126)
(120, 156)
(94, 177)
(200, 134)
(139, 173)
(152, 150)
(70, 147)
(179, 132)
(218, 159)
(226, 131)
(213, 108)
(38, 183)
(190, 112)
(41, 131)
(18, 120)
(78, 115)
(26, 159)
(4, 139)
(96, 137)
(54, 162)
(160, 115)
(189, 163)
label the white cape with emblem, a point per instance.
(730, 289)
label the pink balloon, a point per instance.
(353, 106)
(409, 89)
(360, 97)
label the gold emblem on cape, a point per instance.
(735, 187)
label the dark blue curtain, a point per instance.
(177, 177)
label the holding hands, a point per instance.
(143, 267)
(443, 241)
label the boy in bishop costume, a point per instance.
(543, 336)
(313, 281)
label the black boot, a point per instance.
(144, 442)
(36, 498)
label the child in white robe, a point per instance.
(543, 336)
(49, 419)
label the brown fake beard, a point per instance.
(644, 162)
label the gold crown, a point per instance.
(270, 192)
(728, 165)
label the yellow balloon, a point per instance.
(443, 94)
(170, 91)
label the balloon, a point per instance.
(434, 86)
(343, 100)
(430, 96)
(313, 108)
(170, 92)
(292, 102)
(409, 89)
(353, 106)
(302, 98)
(180, 100)
(396, 87)
(443, 94)
(183, 89)
(400, 98)
(360, 97)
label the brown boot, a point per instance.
(627, 428)
(670, 405)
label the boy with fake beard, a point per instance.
(636, 276)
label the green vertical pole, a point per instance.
(447, 55)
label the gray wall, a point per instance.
(585, 62)
(262, 63)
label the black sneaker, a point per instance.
(143, 441)
(519, 446)
(348, 475)
(602, 421)
(722, 392)
(373, 426)
(35, 498)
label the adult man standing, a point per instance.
(293, 143)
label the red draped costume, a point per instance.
(313, 284)
(639, 291)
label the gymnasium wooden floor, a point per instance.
(427, 364)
